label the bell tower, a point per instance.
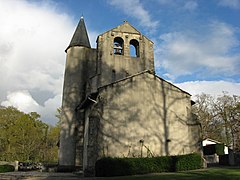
(122, 52)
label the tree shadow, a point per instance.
(144, 106)
(110, 119)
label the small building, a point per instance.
(209, 141)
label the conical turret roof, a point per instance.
(80, 36)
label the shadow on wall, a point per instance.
(146, 108)
(75, 82)
(142, 107)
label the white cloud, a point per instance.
(235, 4)
(135, 9)
(190, 5)
(165, 2)
(185, 53)
(21, 100)
(24, 101)
(213, 88)
(92, 38)
(33, 37)
(51, 105)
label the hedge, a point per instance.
(106, 167)
(6, 168)
(187, 162)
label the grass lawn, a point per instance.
(209, 173)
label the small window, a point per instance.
(134, 48)
(118, 46)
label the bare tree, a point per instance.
(220, 118)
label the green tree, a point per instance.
(25, 137)
(8, 116)
(49, 150)
(51, 154)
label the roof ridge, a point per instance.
(142, 72)
(123, 79)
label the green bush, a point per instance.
(6, 168)
(106, 167)
(187, 162)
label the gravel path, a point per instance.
(34, 175)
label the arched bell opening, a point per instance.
(134, 48)
(118, 46)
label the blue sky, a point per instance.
(197, 44)
(197, 24)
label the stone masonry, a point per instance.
(115, 105)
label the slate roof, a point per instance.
(80, 36)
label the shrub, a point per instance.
(163, 164)
(187, 162)
(129, 166)
(6, 168)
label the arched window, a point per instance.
(134, 48)
(118, 46)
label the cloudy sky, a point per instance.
(197, 44)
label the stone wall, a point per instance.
(144, 107)
(122, 65)
(80, 65)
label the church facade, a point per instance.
(115, 105)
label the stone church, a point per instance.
(115, 105)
